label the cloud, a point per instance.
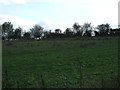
(71, 2)
(52, 25)
(47, 24)
(8, 2)
(98, 11)
(70, 11)
(16, 21)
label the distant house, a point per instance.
(119, 26)
(57, 31)
(115, 31)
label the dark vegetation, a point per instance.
(38, 32)
(73, 59)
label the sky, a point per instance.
(62, 14)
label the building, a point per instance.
(118, 25)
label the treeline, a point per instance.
(38, 32)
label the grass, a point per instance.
(73, 63)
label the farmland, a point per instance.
(74, 63)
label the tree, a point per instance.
(68, 32)
(76, 27)
(104, 29)
(36, 31)
(0, 29)
(26, 35)
(7, 28)
(17, 33)
(96, 33)
(86, 29)
(2, 37)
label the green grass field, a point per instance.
(73, 63)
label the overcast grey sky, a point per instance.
(61, 14)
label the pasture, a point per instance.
(63, 63)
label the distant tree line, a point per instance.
(38, 32)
